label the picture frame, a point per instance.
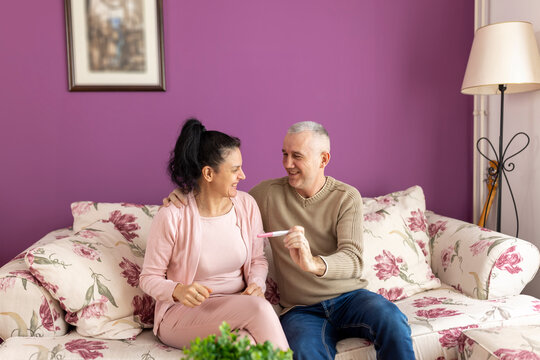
(115, 45)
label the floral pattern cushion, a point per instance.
(439, 321)
(507, 343)
(26, 308)
(88, 212)
(94, 274)
(479, 262)
(77, 347)
(396, 253)
(439, 318)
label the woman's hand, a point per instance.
(191, 295)
(177, 198)
(253, 290)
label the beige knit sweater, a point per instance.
(333, 224)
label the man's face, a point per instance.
(302, 162)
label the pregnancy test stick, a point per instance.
(273, 234)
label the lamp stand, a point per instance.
(498, 168)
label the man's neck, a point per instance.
(315, 188)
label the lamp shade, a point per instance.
(503, 53)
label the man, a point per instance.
(319, 262)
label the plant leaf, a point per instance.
(136, 250)
(42, 261)
(103, 290)
(33, 322)
(89, 294)
(56, 350)
(147, 212)
(43, 351)
(461, 227)
(21, 325)
(495, 243)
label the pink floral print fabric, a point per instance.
(396, 252)
(506, 343)
(479, 262)
(75, 347)
(94, 272)
(26, 307)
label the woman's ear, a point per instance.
(325, 159)
(207, 173)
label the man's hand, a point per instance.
(191, 295)
(300, 252)
(176, 197)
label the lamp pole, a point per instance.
(500, 167)
(498, 172)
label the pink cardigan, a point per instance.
(174, 246)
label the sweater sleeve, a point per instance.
(153, 279)
(259, 193)
(259, 265)
(346, 262)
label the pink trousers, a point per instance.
(252, 315)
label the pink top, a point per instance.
(174, 248)
(223, 253)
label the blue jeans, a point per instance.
(313, 331)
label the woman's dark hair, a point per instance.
(196, 148)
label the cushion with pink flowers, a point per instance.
(88, 212)
(480, 262)
(75, 347)
(94, 274)
(502, 342)
(26, 308)
(396, 252)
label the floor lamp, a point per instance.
(504, 59)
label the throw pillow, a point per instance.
(396, 252)
(94, 273)
(88, 212)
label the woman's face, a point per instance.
(229, 174)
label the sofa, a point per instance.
(74, 294)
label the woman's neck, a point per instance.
(211, 205)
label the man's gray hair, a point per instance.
(314, 127)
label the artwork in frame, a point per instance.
(115, 45)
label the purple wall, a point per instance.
(384, 79)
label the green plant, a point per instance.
(231, 346)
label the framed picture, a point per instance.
(115, 45)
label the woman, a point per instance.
(203, 263)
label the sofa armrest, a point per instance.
(26, 308)
(481, 263)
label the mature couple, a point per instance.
(204, 263)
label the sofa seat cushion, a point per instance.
(76, 347)
(438, 318)
(396, 252)
(443, 338)
(513, 342)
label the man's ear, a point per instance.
(325, 159)
(207, 173)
